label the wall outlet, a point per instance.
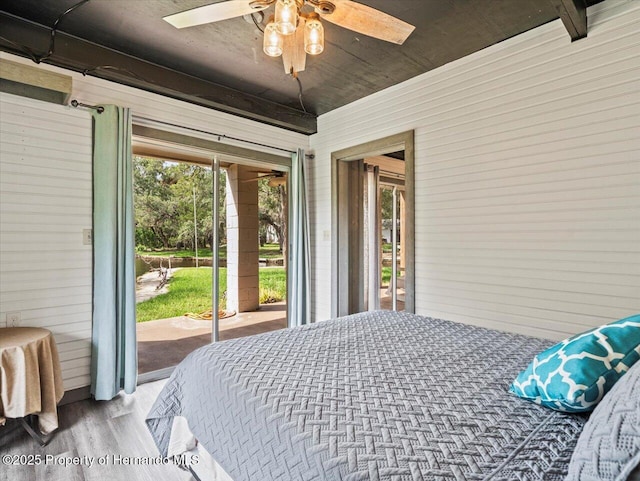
(87, 237)
(13, 319)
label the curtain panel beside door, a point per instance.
(114, 355)
(299, 277)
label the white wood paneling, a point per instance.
(45, 202)
(527, 178)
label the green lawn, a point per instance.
(273, 284)
(267, 251)
(386, 276)
(190, 291)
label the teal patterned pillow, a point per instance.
(575, 374)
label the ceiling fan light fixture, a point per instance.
(273, 42)
(295, 30)
(286, 18)
(313, 35)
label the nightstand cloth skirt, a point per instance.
(30, 376)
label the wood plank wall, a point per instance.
(45, 203)
(528, 178)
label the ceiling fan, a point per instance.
(295, 29)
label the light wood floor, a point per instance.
(93, 428)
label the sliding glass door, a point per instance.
(212, 226)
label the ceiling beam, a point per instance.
(80, 55)
(574, 16)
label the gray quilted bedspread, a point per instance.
(377, 396)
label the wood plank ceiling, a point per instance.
(221, 65)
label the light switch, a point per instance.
(87, 237)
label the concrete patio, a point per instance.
(165, 342)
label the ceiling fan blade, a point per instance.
(277, 181)
(259, 177)
(213, 13)
(368, 21)
(293, 55)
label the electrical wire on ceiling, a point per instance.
(299, 92)
(293, 74)
(54, 29)
(117, 69)
(256, 23)
(52, 40)
(24, 49)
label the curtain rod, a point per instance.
(76, 104)
(220, 136)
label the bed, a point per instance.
(379, 396)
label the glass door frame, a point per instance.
(215, 250)
(345, 234)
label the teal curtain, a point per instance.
(114, 354)
(299, 303)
